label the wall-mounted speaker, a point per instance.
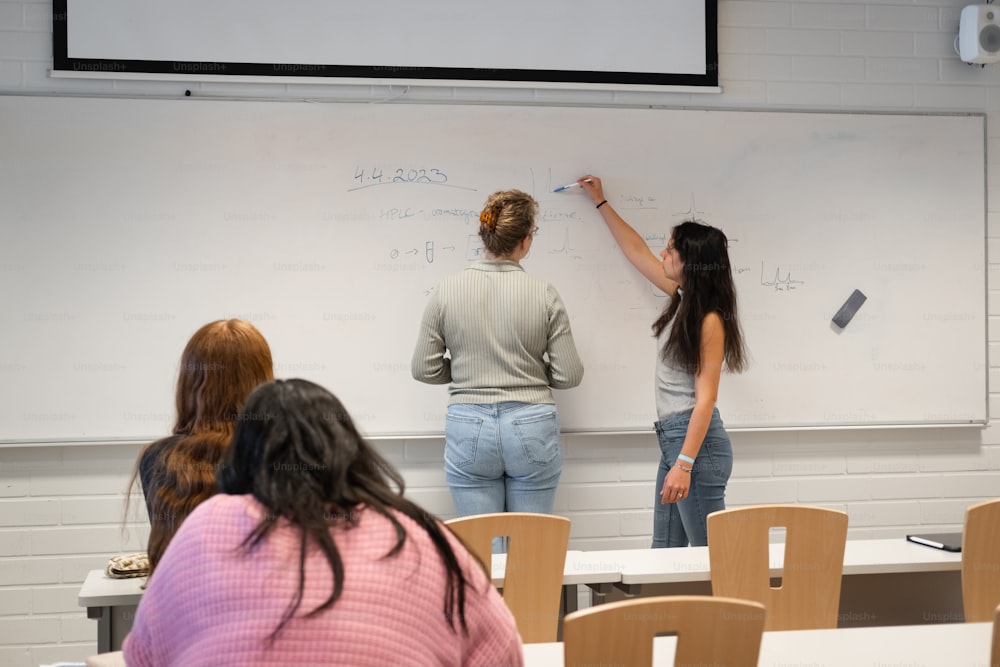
(979, 34)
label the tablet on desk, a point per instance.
(945, 541)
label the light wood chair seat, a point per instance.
(981, 561)
(536, 556)
(808, 596)
(710, 631)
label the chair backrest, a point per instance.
(981, 561)
(809, 593)
(710, 631)
(536, 557)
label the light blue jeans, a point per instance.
(502, 457)
(678, 524)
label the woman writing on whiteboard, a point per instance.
(501, 338)
(697, 334)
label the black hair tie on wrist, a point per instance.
(601, 204)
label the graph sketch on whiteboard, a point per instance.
(779, 283)
(692, 213)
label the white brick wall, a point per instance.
(61, 508)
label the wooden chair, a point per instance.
(536, 556)
(981, 561)
(710, 631)
(809, 593)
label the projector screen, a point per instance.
(637, 42)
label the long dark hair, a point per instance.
(297, 451)
(708, 287)
(221, 364)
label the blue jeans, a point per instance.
(683, 522)
(502, 457)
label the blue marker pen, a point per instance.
(571, 185)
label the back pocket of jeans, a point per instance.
(539, 436)
(461, 439)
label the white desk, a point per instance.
(598, 572)
(886, 581)
(662, 566)
(582, 567)
(112, 602)
(941, 645)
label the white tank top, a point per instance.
(674, 386)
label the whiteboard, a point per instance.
(639, 42)
(129, 223)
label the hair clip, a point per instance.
(489, 218)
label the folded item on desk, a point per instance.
(131, 565)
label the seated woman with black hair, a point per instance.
(311, 555)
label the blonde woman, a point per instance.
(501, 339)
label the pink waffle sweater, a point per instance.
(210, 603)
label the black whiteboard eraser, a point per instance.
(850, 307)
